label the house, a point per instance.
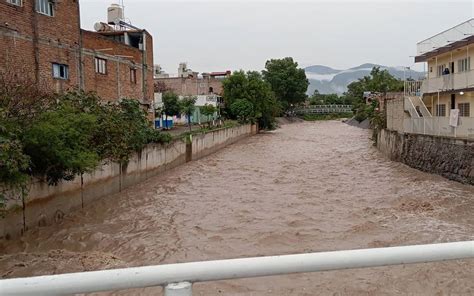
(42, 41)
(443, 103)
(206, 88)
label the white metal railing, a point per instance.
(410, 107)
(323, 109)
(177, 278)
(418, 102)
(453, 81)
(412, 88)
(439, 126)
(456, 33)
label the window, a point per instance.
(441, 69)
(100, 66)
(15, 2)
(133, 76)
(45, 7)
(464, 65)
(464, 109)
(60, 71)
(441, 110)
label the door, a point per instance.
(453, 101)
(451, 67)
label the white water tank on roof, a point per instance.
(114, 14)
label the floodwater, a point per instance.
(305, 187)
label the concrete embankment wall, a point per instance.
(451, 158)
(47, 205)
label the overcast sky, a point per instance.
(222, 35)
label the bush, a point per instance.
(59, 144)
(67, 137)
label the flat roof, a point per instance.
(444, 49)
(446, 37)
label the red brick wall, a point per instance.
(148, 66)
(31, 42)
(120, 60)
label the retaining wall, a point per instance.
(452, 158)
(48, 204)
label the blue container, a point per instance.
(168, 123)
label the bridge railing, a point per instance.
(178, 278)
(323, 109)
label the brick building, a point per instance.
(191, 86)
(207, 89)
(189, 83)
(42, 40)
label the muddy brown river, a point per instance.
(305, 187)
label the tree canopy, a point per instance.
(66, 137)
(288, 82)
(328, 99)
(378, 81)
(255, 101)
(187, 107)
(171, 105)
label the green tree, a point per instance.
(14, 166)
(64, 135)
(171, 105)
(243, 110)
(328, 99)
(288, 82)
(187, 107)
(251, 87)
(208, 110)
(378, 81)
(59, 144)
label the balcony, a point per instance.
(439, 126)
(455, 81)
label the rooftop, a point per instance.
(446, 39)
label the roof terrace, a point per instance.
(445, 38)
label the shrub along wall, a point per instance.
(451, 158)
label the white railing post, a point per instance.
(179, 289)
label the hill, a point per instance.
(328, 80)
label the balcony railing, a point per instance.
(455, 81)
(439, 126)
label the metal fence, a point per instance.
(177, 279)
(324, 109)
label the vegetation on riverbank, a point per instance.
(259, 97)
(57, 137)
(379, 81)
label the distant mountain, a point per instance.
(328, 80)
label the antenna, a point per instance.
(123, 8)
